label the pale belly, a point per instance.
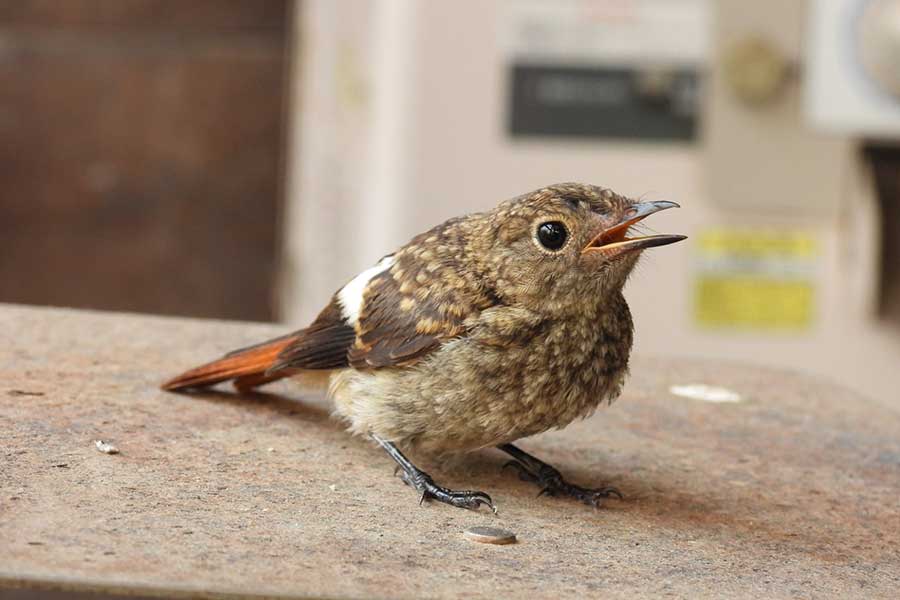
(467, 395)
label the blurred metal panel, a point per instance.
(853, 85)
(762, 156)
(619, 70)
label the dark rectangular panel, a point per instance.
(627, 103)
(885, 160)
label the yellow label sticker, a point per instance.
(755, 279)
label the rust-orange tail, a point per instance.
(247, 367)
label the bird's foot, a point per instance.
(425, 485)
(552, 483)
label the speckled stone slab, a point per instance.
(792, 490)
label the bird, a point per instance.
(486, 329)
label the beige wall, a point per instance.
(435, 123)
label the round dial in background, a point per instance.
(878, 42)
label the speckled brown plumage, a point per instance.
(480, 331)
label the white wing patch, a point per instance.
(351, 295)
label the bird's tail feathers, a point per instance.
(247, 367)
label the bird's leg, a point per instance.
(550, 480)
(423, 482)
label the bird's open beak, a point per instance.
(612, 241)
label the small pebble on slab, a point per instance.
(490, 535)
(106, 447)
(706, 393)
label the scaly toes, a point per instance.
(609, 491)
(593, 497)
(468, 499)
(472, 500)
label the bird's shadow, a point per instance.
(648, 496)
(315, 411)
(657, 500)
(484, 467)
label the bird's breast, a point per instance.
(562, 375)
(468, 395)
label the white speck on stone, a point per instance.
(105, 447)
(332, 487)
(706, 393)
(270, 449)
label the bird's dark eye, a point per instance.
(552, 235)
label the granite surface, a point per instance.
(793, 491)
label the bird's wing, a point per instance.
(391, 314)
(406, 305)
(322, 345)
(403, 315)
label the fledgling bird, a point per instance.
(483, 330)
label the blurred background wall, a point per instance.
(411, 112)
(141, 154)
(242, 159)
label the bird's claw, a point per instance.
(469, 499)
(472, 500)
(591, 497)
(425, 485)
(552, 483)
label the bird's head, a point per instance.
(565, 245)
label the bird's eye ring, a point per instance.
(552, 235)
